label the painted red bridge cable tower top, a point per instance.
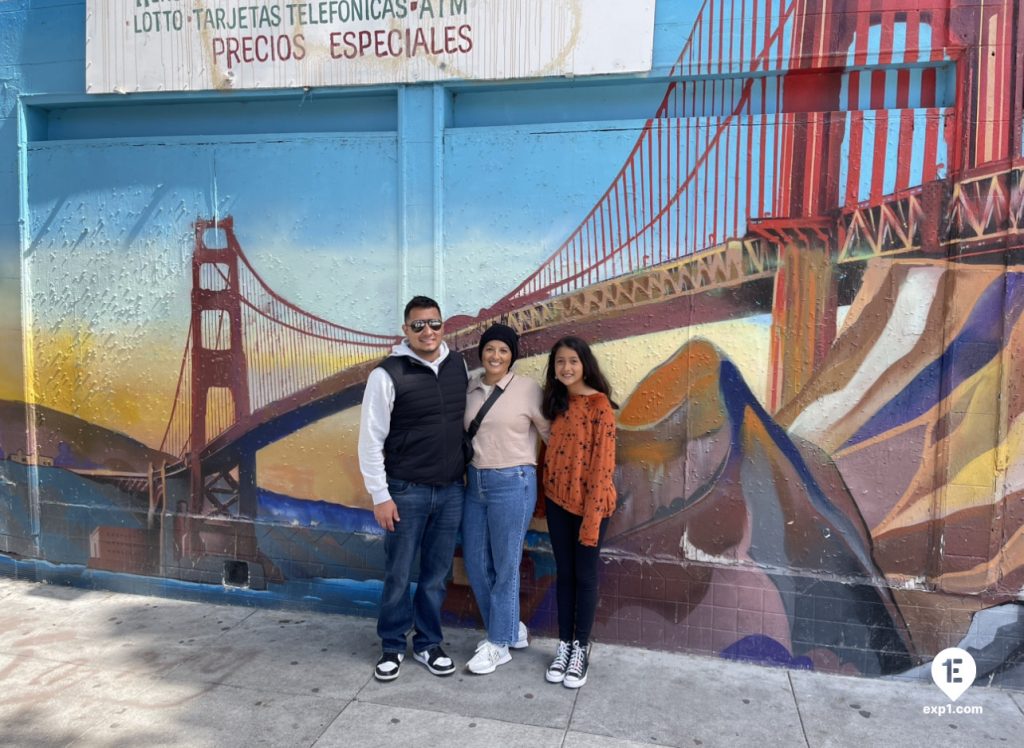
(248, 347)
(792, 136)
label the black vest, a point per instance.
(424, 444)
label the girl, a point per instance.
(578, 469)
(501, 492)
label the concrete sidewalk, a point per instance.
(88, 668)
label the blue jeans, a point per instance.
(428, 523)
(497, 511)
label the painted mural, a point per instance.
(801, 270)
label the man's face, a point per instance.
(425, 342)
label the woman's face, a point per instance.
(496, 359)
(568, 368)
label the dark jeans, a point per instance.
(429, 519)
(576, 566)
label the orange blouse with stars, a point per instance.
(580, 462)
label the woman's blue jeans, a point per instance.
(497, 510)
(428, 524)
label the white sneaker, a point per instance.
(524, 637)
(487, 658)
(521, 643)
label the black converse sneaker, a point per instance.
(576, 673)
(557, 668)
(388, 666)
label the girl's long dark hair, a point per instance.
(556, 396)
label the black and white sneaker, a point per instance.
(388, 666)
(558, 666)
(576, 673)
(435, 660)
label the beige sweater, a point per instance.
(508, 433)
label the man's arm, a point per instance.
(374, 426)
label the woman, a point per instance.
(501, 493)
(578, 470)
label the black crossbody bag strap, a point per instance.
(474, 425)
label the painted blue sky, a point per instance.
(318, 215)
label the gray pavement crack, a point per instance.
(568, 722)
(329, 724)
(796, 703)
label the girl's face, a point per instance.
(568, 368)
(496, 359)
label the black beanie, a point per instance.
(505, 334)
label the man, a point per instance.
(410, 455)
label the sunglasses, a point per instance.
(417, 325)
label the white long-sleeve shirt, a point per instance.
(375, 421)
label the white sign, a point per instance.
(953, 671)
(191, 45)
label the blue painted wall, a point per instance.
(828, 521)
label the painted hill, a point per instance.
(921, 404)
(717, 493)
(71, 441)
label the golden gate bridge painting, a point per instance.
(847, 174)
